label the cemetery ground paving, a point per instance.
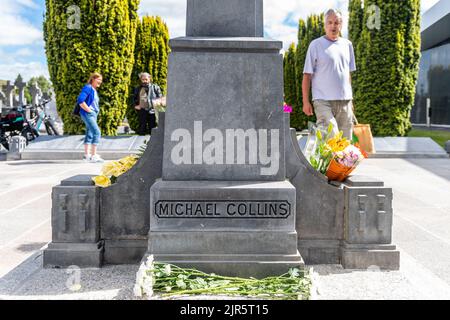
(421, 231)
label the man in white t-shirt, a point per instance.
(328, 64)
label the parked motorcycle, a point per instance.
(16, 123)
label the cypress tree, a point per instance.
(355, 25)
(389, 60)
(355, 21)
(290, 78)
(151, 55)
(102, 42)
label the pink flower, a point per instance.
(287, 109)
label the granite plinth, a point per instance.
(228, 120)
(233, 228)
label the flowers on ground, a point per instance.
(170, 280)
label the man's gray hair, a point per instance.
(145, 75)
(333, 12)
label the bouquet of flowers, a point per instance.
(336, 157)
(112, 170)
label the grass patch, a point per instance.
(439, 136)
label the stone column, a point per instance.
(223, 204)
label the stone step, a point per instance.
(224, 243)
(246, 266)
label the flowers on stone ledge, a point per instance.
(334, 156)
(112, 170)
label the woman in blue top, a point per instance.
(89, 104)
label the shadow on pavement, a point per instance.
(30, 280)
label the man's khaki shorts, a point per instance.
(338, 112)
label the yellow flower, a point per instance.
(108, 168)
(338, 143)
(128, 161)
(102, 181)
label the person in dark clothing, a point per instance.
(145, 97)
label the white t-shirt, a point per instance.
(330, 63)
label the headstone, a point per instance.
(21, 87)
(36, 94)
(223, 204)
(8, 89)
(447, 146)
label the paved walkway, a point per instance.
(421, 230)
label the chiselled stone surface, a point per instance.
(226, 122)
(368, 216)
(75, 214)
(219, 18)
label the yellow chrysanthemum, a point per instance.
(102, 181)
(108, 168)
(128, 162)
(118, 170)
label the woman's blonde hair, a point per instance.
(94, 75)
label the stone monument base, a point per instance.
(363, 256)
(63, 255)
(249, 231)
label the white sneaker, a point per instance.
(96, 158)
(87, 158)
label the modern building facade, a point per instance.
(432, 104)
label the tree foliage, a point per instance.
(312, 29)
(290, 77)
(103, 42)
(388, 61)
(151, 55)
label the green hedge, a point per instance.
(387, 62)
(151, 55)
(104, 43)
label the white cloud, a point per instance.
(28, 3)
(14, 29)
(24, 52)
(27, 70)
(173, 12)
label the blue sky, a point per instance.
(22, 44)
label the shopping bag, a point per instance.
(362, 134)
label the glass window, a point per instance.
(434, 83)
